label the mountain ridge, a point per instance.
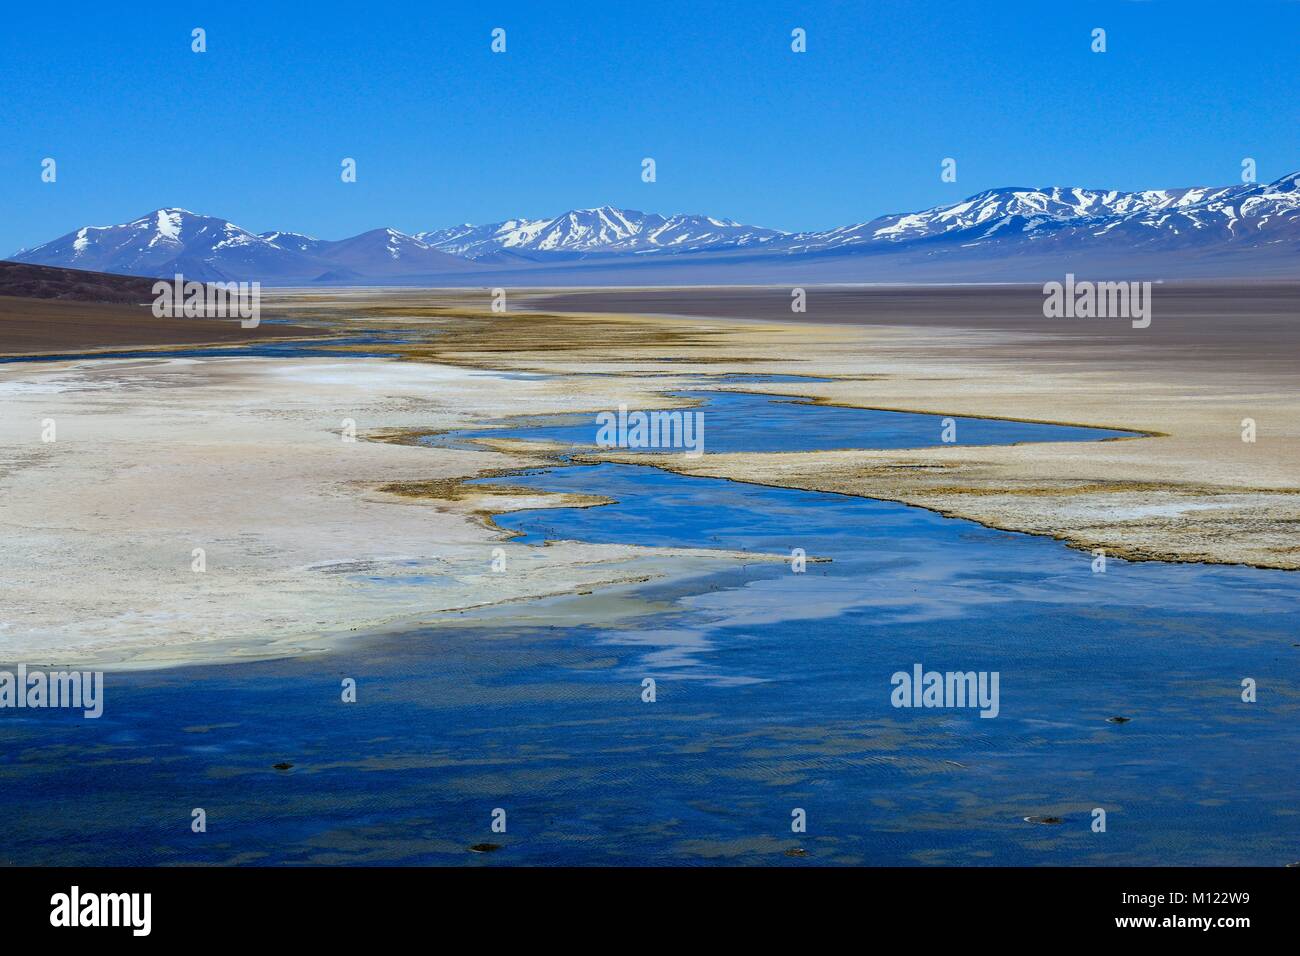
(995, 226)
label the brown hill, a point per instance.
(45, 309)
(52, 282)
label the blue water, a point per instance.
(746, 421)
(773, 693)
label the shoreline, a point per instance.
(1133, 557)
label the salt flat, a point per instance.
(245, 459)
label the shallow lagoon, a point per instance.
(750, 421)
(773, 693)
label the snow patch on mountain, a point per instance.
(604, 229)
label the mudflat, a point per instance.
(35, 326)
(1193, 322)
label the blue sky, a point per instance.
(445, 131)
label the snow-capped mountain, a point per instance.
(170, 241)
(601, 230)
(474, 241)
(1081, 216)
(998, 218)
(161, 243)
(1248, 229)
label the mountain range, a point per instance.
(998, 235)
